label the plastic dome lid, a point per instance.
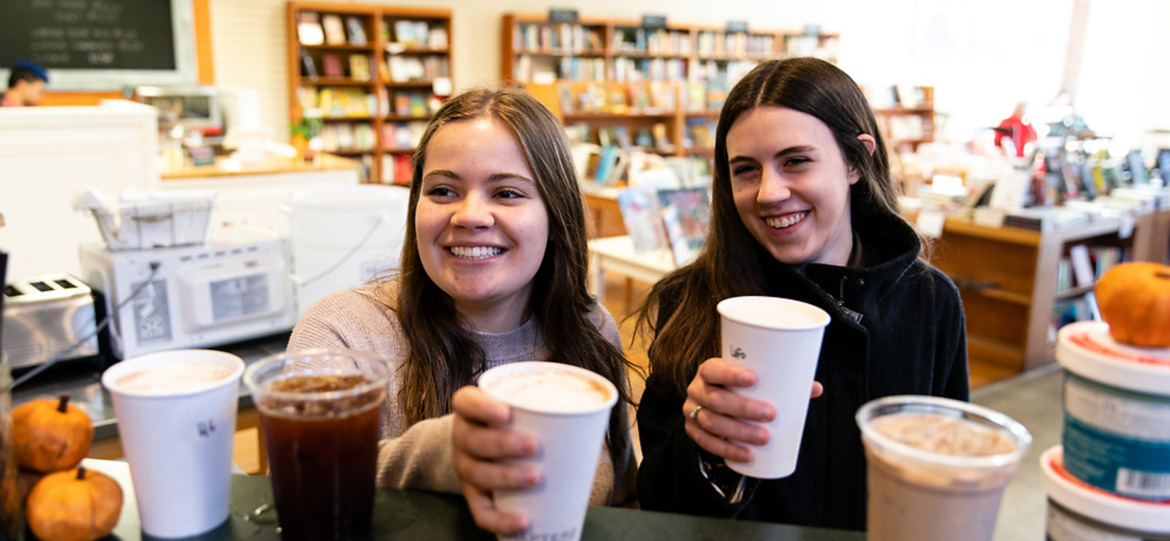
(1097, 504)
(1087, 349)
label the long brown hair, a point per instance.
(732, 262)
(442, 355)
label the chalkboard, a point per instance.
(88, 34)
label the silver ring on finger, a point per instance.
(694, 414)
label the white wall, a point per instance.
(981, 57)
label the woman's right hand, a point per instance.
(481, 439)
(719, 426)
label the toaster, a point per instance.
(44, 316)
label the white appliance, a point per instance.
(234, 288)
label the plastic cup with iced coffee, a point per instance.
(937, 467)
(320, 411)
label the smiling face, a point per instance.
(481, 222)
(791, 185)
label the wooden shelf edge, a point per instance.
(1073, 292)
(1003, 354)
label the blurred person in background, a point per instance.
(26, 85)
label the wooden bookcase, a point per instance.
(374, 118)
(907, 126)
(1008, 280)
(670, 81)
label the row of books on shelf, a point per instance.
(659, 218)
(648, 69)
(613, 165)
(416, 34)
(314, 28)
(556, 38)
(651, 41)
(824, 48)
(395, 68)
(700, 132)
(415, 103)
(396, 169)
(652, 97)
(907, 127)
(1084, 265)
(723, 73)
(343, 102)
(346, 136)
(1065, 311)
(736, 44)
(404, 69)
(528, 69)
(402, 135)
(356, 66)
(336, 102)
(1124, 179)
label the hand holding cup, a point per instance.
(481, 440)
(718, 426)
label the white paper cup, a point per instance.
(779, 339)
(571, 427)
(178, 441)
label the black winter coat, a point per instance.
(911, 339)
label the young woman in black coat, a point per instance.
(803, 207)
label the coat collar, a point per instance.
(890, 249)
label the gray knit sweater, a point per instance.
(419, 456)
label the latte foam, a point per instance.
(173, 378)
(551, 391)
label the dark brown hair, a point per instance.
(732, 262)
(442, 354)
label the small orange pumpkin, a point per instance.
(74, 505)
(1134, 299)
(51, 435)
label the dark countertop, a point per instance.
(413, 514)
(82, 379)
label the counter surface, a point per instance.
(412, 514)
(272, 165)
(82, 380)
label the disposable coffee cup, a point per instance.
(567, 409)
(176, 413)
(780, 340)
(936, 467)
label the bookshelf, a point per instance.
(906, 117)
(662, 85)
(1009, 278)
(371, 74)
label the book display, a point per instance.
(905, 114)
(1019, 286)
(373, 74)
(662, 83)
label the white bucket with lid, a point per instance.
(1080, 512)
(342, 237)
(1116, 404)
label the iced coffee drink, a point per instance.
(936, 467)
(320, 413)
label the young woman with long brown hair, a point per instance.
(803, 207)
(494, 270)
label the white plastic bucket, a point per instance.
(1116, 403)
(1078, 511)
(343, 237)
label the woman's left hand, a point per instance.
(481, 439)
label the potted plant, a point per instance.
(303, 130)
